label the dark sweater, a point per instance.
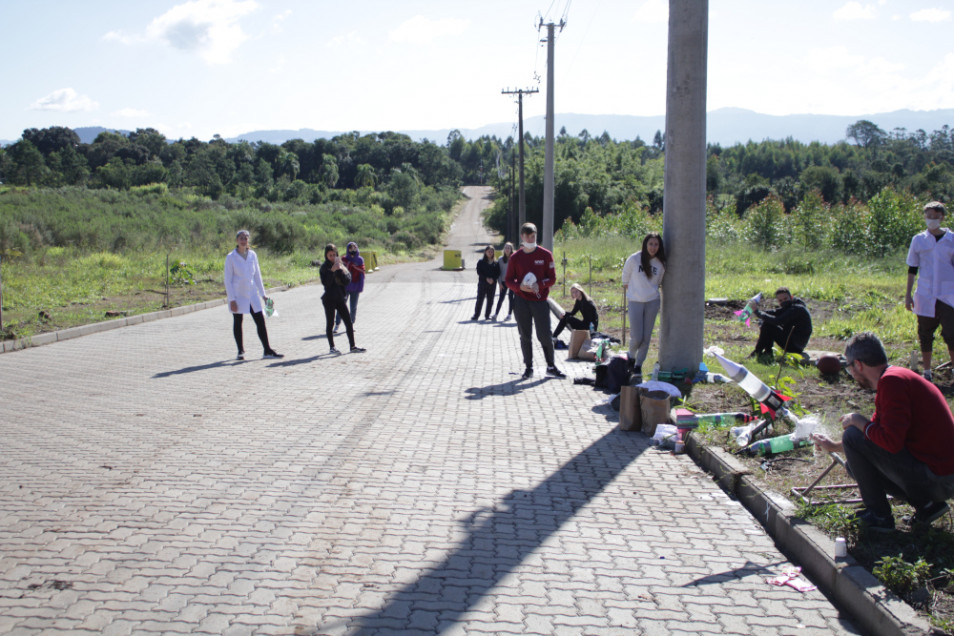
(333, 282)
(791, 316)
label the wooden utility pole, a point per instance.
(521, 197)
(548, 184)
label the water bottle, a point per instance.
(655, 375)
(775, 445)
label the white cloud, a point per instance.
(131, 113)
(421, 30)
(208, 27)
(345, 39)
(856, 11)
(653, 12)
(65, 100)
(279, 19)
(931, 15)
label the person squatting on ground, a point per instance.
(905, 448)
(789, 326)
(642, 275)
(355, 265)
(931, 261)
(502, 264)
(488, 271)
(245, 291)
(530, 274)
(335, 277)
(589, 315)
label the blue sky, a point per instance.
(205, 67)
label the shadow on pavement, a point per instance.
(504, 388)
(749, 569)
(198, 367)
(499, 540)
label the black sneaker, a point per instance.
(474, 318)
(357, 350)
(272, 354)
(926, 515)
(873, 522)
(334, 351)
(527, 373)
(240, 356)
(556, 373)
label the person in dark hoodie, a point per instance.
(335, 277)
(589, 316)
(488, 271)
(789, 326)
(355, 265)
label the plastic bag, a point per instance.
(666, 436)
(270, 311)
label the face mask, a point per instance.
(530, 246)
(933, 224)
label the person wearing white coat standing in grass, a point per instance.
(245, 291)
(642, 275)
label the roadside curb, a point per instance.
(99, 327)
(875, 609)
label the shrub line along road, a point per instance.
(151, 483)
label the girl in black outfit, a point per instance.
(587, 308)
(504, 290)
(334, 277)
(488, 271)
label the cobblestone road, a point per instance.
(151, 483)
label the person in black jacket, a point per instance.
(789, 326)
(335, 277)
(488, 271)
(590, 317)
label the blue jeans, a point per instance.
(352, 308)
(880, 473)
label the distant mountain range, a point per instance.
(725, 126)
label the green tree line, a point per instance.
(596, 177)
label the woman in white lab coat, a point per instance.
(245, 291)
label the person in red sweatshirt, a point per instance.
(906, 449)
(531, 272)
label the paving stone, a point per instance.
(164, 487)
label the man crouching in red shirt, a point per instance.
(906, 449)
(531, 273)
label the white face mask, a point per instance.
(932, 224)
(530, 246)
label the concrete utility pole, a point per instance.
(546, 232)
(684, 203)
(522, 206)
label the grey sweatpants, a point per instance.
(642, 319)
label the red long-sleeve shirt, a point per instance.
(911, 413)
(540, 262)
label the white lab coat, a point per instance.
(243, 282)
(935, 262)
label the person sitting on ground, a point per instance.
(789, 326)
(905, 448)
(590, 317)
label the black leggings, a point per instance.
(259, 319)
(505, 291)
(573, 321)
(332, 306)
(484, 291)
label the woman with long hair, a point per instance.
(642, 275)
(589, 316)
(504, 291)
(245, 291)
(487, 274)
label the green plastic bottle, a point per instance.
(776, 445)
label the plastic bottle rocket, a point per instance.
(723, 418)
(775, 445)
(752, 385)
(745, 314)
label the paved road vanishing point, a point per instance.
(153, 484)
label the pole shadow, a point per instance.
(499, 540)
